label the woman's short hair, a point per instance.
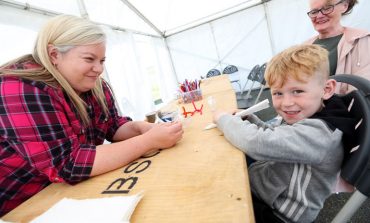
(351, 4)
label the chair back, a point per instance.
(213, 72)
(260, 76)
(230, 69)
(252, 75)
(356, 164)
(357, 148)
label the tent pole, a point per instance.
(137, 12)
(28, 7)
(170, 56)
(268, 21)
(215, 43)
(212, 18)
(33, 9)
(82, 8)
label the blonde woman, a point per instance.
(56, 111)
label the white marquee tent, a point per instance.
(153, 45)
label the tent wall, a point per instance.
(241, 39)
(249, 37)
(18, 32)
(137, 66)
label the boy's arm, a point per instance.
(305, 142)
(255, 120)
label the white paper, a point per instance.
(210, 126)
(255, 108)
(111, 209)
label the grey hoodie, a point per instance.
(296, 165)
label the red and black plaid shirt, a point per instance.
(43, 141)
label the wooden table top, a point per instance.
(202, 179)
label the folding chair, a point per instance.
(356, 165)
(231, 69)
(260, 77)
(212, 73)
(251, 77)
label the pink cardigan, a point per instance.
(353, 58)
(353, 54)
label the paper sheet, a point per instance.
(255, 108)
(111, 209)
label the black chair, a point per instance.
(212, 73)
(260, 78)
(251, 77)
(356, 165)
(230, 69)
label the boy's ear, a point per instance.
(329, 88)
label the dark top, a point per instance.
(331, 44)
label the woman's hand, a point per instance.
(132, 129)
(164, 135)
(157, 136)
(143, 127)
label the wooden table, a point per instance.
(202, 179)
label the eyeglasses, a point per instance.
(191, 113)
(326, 10)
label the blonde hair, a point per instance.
(64, 32)
(297, 62)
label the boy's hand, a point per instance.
(244, 117)
(218, 113)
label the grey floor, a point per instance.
(334, 203)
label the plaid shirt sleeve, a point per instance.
(36, 133)
(115, 120)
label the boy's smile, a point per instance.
(297, 100)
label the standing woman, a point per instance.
(56, 111)
(348, 47)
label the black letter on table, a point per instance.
(121, 182)
(147, 162)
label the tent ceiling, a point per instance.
(172, 16)
(159, 17)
